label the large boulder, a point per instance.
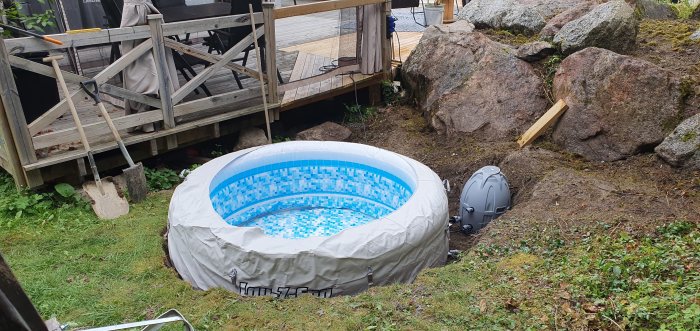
(465, 82)
(655, 10)
(503, 14)
(611, 25)
(328, 131)
(618, 105)
(682, 147)
(557, 22)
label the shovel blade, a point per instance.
(109, 205)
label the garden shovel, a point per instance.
(106, 201)
(134, 175)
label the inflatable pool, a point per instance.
(326, 218)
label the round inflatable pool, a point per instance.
(326, 218)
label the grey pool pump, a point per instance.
(485, 197)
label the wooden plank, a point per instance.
(163, 74)
(270, 51)
(14, 111)
(303, 91)
(117, 66)
(314, 87)
(211, 58)
(94, 130)
(106, 36)
(206, 73)
(215, 101)
(386, 43)
(298, 68)
(543, 123)
(12, 163)
(70, 77)
(293, 84)
(325, 84)
(318, 7)
(72, 155)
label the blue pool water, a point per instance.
(308, 198)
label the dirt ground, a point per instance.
(552, 191)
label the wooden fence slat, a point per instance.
(72, 155)
(106, 36)
(210, 70)
(270, 59)
(211, 58)
(216, 101)
(117, 66)
(70, 77)
(14, 111)
(94, 130)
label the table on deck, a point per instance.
(186, 13)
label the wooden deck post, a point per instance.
(386, 43)
(14, 114)
(270, 51)
(156, 23)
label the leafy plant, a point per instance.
(279, 139)
(390, 94)
(37, 206)
(161, 179)
(359, 113)
(38, 21)
(550, 69)
(218, 150)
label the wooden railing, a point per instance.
(169, 106)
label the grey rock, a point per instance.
(328, 131)
(465, 82)
(695, 35)
(503, 14)
(535, 51)
(655, 10)
(250, 137)
(557, 22)
(618, 105)
(682, 147)
(611, 25)
(696, 14)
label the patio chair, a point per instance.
(222, 40)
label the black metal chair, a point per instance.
(222, 40)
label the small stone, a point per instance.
(328, 131)
(535, 51)
(250, 137)
(695, 35)
(682, 147)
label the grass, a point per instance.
(93, 273)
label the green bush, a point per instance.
(34, 205)
(359, 113)
(161, 179)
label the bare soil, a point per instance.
(552, 191)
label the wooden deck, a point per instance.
(307, 52)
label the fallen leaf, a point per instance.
(482, 305)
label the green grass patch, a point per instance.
(89, 272)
